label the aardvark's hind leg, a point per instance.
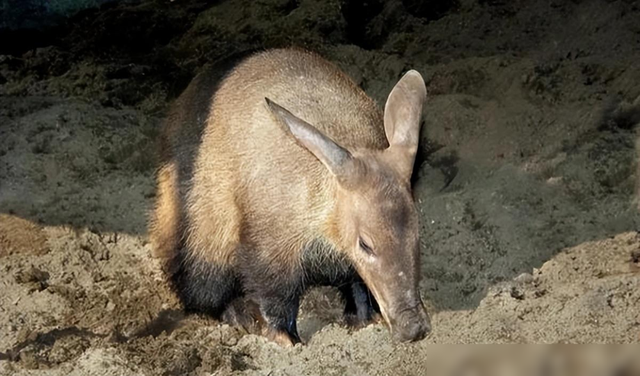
(205, 287)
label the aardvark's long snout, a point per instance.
(410, 324)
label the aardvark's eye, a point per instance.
(365, 247)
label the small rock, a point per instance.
(540, 293)
(524, 278)
(517, 293)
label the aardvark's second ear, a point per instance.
(402, 115)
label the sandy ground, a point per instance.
(526, 185)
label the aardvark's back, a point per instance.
(246, 158)
(295, 179)
(306, 85)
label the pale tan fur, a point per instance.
(166, 219)
(179, 140)
(293, 152)
(253, 184)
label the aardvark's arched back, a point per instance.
(297, 180)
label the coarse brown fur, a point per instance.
(245, 209)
